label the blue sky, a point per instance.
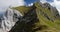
(50, 0)
(28, 2)
(32, 1)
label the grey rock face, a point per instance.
(26, 23)
(9, 19)
(53, 10)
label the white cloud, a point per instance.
(30, 4)
(43, 1)
(56, 4)
(6, 3)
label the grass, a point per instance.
(52, 26)
(22, 9)
(55, 24)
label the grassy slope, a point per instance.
(23, 9)
(53, 26)
(45, 21)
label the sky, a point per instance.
(30, 1)
(4, 4)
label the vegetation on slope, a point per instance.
(46, 17)
(37, 18)
(22, 9)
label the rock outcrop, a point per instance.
(9, 19)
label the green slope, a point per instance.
(22, 9)
(48, 22)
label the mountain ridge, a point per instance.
(37, 18)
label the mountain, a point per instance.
(37, 18)
(8, 19)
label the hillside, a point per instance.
(37, 18)
(22, 9)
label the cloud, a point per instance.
(6, 3)
(43, 1)
(30, 4)
(56, 4)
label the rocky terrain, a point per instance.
(37, 18)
